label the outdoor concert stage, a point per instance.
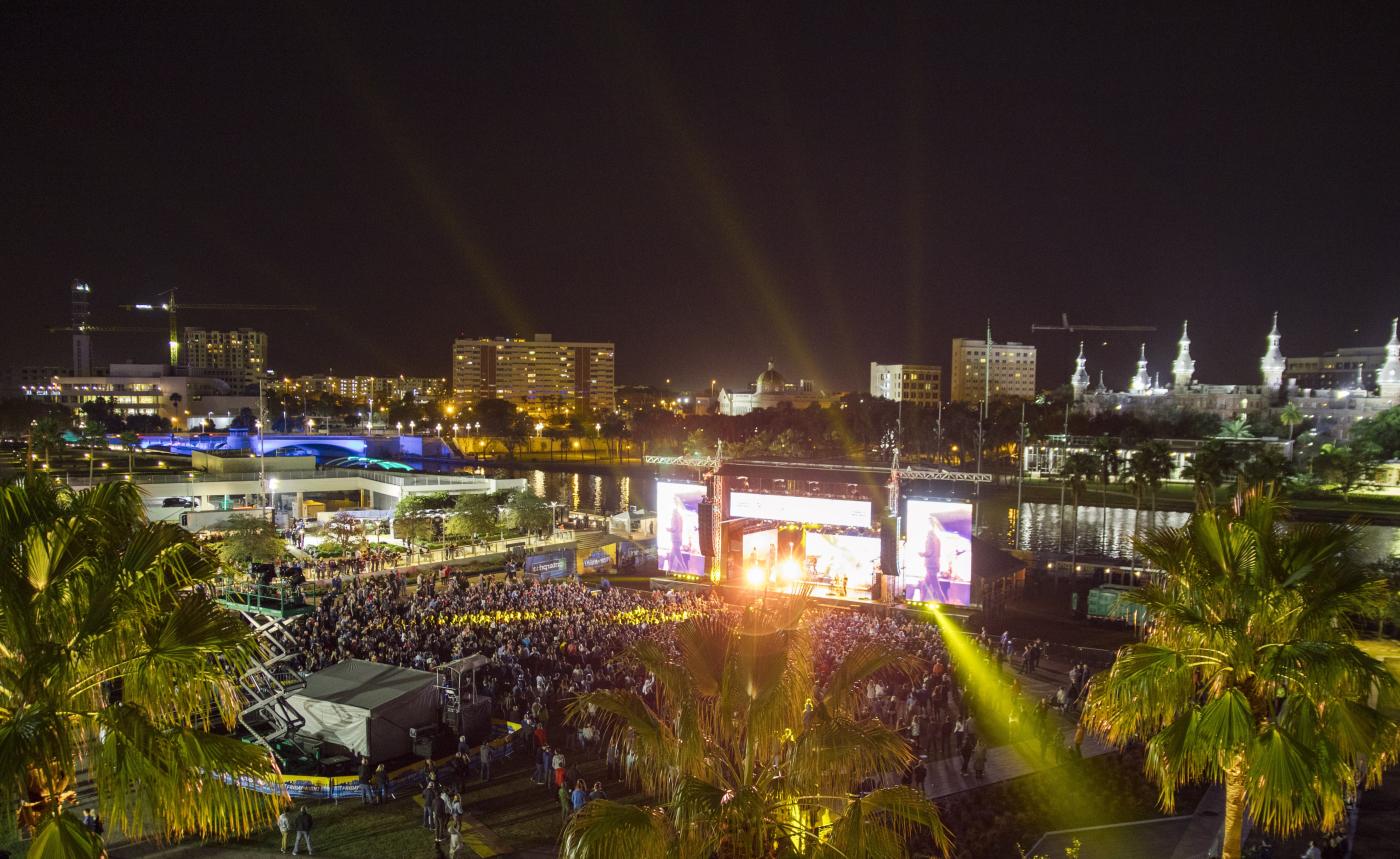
(844, 535)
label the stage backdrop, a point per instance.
(937, 557)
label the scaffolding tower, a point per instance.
(265, 684)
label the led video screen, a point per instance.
(849, 557)
(937, 558)
(678, 527)
(795, 508)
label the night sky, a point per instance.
(708, 185)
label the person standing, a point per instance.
(366, 781)
(284, 825)
(565, 803)
(303, 828)
(485, 762)
(979, 760)
(430, 795)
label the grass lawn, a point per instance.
(523, 815)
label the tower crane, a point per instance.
(169, 307)
(1066, 327)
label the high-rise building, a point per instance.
(915, 384)
(1011, 367)
(237, 357)
(540, 375)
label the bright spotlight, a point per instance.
(754, 576)
(790, 570)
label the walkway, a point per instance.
(1016, 759)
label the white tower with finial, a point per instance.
(1272, 364)
(1388, 376)
(1142, 382)
(1079, 382)
(1184, 367)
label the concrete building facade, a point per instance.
(1011, 367)
(541, 375)
(915, 384)
(238, 357)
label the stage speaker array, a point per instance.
(706, 511)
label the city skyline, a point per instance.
(824, 189)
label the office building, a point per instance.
(915, 384)
(541, 375)
(237, 357)
(1011, 367)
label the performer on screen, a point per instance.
(941, 549)
(677, 560)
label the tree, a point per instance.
(1266, 465)
(1212, 464)
(529, 512)
(1150, 465)
(112, 655)
(1078, 469)
(1235, 429)
(1248, 674)
(1106, 457)
(1291, 417)
(614, 429)
(739, 771)
(1346, 464)
(1381, 431)
(346, 529)
(475, 514)
(413, 527)
(132, 442)
(46, 437)
(250, 540)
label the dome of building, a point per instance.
(770, 381)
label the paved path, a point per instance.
(1014, 760)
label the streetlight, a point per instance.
(539, 428)
(190, 475)
(412, 427)
(439, 429)
(454, 430)
(88, 457)
(478, 427)
(272, 490)
(310, 426)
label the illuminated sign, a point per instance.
(550, 565)
(936, 562)
(678, 527)
(793, 508)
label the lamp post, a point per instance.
(412, 427)
(454, 430)
(438, 428)
(310, 426)
(88, 457)
(399, 426)
(190, 476)
(272, 490)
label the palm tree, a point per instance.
(1248, 674)
(1079, 468)
(1235, 429)
(110, 658)
(46, 437)
(131, 441)
(738, 768)
(1290, 417)
(1151, 463)
(1106, 455)
(1212, 463)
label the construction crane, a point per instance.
(1068, 328)
(169, 306)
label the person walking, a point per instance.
(969, 743)
(441, 814)
(485, 762)
(284, 825)
(303, 829)
(565, 803)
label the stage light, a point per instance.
(790, 570)
(754, 577)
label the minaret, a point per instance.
(1388, 376)
(1184, 367)
(1102, 389)
(1142, 383)
(1272, 364)
(1079, 382)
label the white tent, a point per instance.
(368, 708)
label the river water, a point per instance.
(1036, 527)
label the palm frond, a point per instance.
(603, 829)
